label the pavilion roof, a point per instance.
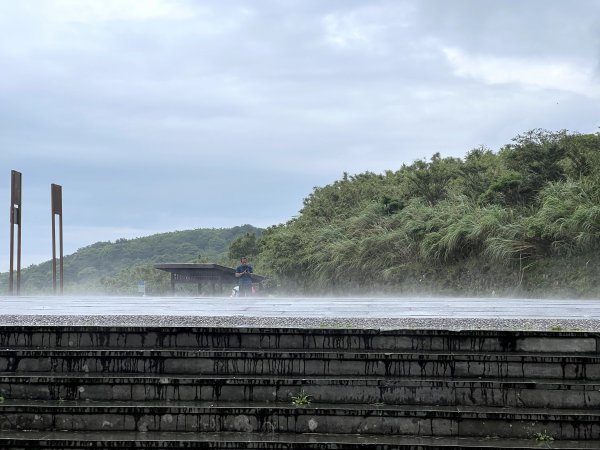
(199, 268)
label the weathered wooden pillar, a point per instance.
(15, 220)
(56, 200)
(172, 284)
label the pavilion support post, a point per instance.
(56, 199)
(172, 284)
(15, 220)
(199, 288)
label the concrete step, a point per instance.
(395, 385)
(304, 363)
(292, 338)
(533, 393)
(270, 441)
(286, 418)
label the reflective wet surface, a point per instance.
(366, 308)
(375, 313)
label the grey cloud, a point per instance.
(536, 27)
(273, 97)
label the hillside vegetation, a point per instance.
(522, 221)
(115, 267)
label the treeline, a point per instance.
(523, 220)
(116, 267)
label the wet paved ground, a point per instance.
(412, 312)
(384, 308)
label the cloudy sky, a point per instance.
(157, 115)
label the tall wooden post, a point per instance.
(56, 200)
(15, 220)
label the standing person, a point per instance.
(244, 273)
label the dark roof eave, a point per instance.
(174, 267)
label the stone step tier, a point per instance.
(303, 363)
(269, 441)
(286, 418)
(234, 388)
(427, 391)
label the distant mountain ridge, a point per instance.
(98, 265)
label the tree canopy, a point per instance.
(538, 198)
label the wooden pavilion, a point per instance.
(213, 275)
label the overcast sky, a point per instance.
(159, 115)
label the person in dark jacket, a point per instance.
(244, 275)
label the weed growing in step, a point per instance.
(301, 399)
(543, 436)
(1, 398)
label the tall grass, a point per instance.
(569, 215)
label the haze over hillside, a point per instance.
(524, 220)
(114, 266)
(521, 221)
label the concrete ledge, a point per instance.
(510, 392)
(285, 418)
(261, 441)
(193, 337)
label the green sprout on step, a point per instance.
(543, 437)
(301, 399)
(1, 398)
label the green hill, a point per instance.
(521, 221)
(115, 267)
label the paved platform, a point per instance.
(399, 312)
